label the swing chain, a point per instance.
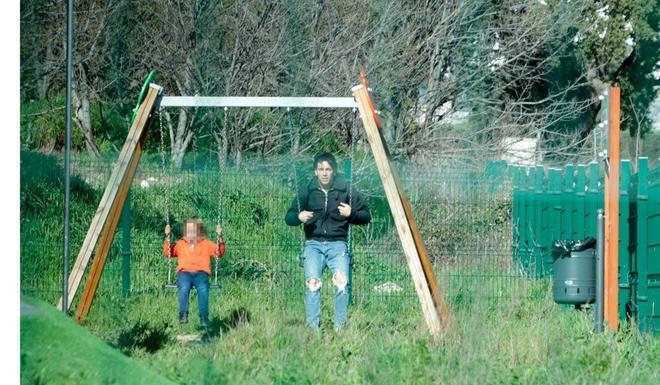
(293, 164)
(221, 190)
(297, 188)
(168, 236)
(222, 168)
(352, 152)
(349, 239)
(163, 168)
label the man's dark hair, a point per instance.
(326, 157)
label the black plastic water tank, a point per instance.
(574, 271)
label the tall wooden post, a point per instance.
(101, 231)
(431, 299)
(612, 174)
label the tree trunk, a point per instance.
(179, 139)
(239, 133)
(295, 148)
(83, 119)
(390, 124)
(221, 140)
(44, 77)
(238, 155)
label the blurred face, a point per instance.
(191, 230)
(324, 173)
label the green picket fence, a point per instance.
(550, 204)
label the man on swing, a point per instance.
(326, 207)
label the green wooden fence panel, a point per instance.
(642, 241)
(578, 206)
(648, 247)
(522, 214)
(624, 238)
(652, 315)
(554, 213)
(564, 204)
(592, 200)
(633, 246)
(528, 224)
(539, 220)
(515, 213)
(567, 203)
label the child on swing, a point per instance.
(194, 252)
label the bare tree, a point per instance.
(487, 63)
(89, 57)
(42, 47)
(247, 64)
(452, 78)
(88, 54)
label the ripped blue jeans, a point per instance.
(316, 256)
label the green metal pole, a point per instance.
(624, 240)
(515, 241)
(593, 197)
(526, 240)
(600, 270)
(567, 203)
(580, 188)
(647, 318)
(532, 202)
(126, 247)
(348, 170)
(555, 210)
(540, 216)
(67, 155)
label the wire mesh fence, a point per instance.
(463, 211)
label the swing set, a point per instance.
(170, 283)
(103, 225)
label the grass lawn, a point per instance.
(505, 329)
(56, 350)
(259, 338)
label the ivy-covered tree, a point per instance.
(618, 44)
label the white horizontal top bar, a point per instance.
(257, 101)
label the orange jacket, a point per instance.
(197, 258)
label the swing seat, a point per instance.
(213, 284)
(173, 286)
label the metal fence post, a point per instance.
(555, 212)
(580, 193)
(525, 216)
(624, 241)
(568, 204)
(536, 221)
(646, 309)
(67, 155)
(600, 271)
(593, 198)
(517, 222)
(348, 176)
(126, 247)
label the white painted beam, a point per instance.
(258, 101)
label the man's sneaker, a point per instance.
(183, 317)
(204, 321)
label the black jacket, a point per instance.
(327, 224)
